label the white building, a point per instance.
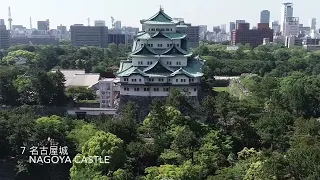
(313, 23)
(265, 16)
(160, 60)
(109, 92)
(99, 23)
(286, 11)
(291, 27)
(223, 28)
(276, 27)
(117, 25)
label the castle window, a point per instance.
(139, 80)
(162, 29)
(134, 80)
(136, 89)
(126, 89)
(152, 29)
(178, 63)
(168, 45)
(125, 79)
(170, 29)
(157, 29)
(165, 89)
(140, 62)
(183, 80)
(191, 80)
(146, 89)
(177, 80)
(151, 45)
(169, 62)
(151, 79)
(195, 89)
(156, 89)
(161, 80)
(178, 45)
(167, 29)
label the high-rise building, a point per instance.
(243, 34)
(313, 23)
(238, 22)
(276, 27)
(117, 25)
(117, 38)
(62, 29)
(265, 16)
(223, 28)
(99, 23)
(232, 26)
(42, 25)
(4, 37)
(193, 35)
(291, 26)
(203, 28)
(2, 22)
(286, 11)
(160, 60)
(203, 31)
(89, 35)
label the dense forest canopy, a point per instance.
(270, 133)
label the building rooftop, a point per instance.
(160, 18)
(86, 80)
(69, 74)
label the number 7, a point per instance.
(24, 148)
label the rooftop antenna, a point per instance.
(9, 18)
(88, 21)
(30, 23)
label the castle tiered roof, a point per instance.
(166, 61)
(158, 69)
(160, 18)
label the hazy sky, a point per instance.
(129, 12)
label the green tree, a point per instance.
(274, 128)
(102, 144)
(81, 134)
(80, 93)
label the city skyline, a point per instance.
(213, 12)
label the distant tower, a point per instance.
(265, 16)
(313, 23)
(30, 23)
(286, 11)
(10, 19)
(48, 24)
(88, 21)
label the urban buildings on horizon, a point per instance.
(100, 35)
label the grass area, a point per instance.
(221, 89)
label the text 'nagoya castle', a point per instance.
(160, 60)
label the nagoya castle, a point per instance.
(160, 60)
